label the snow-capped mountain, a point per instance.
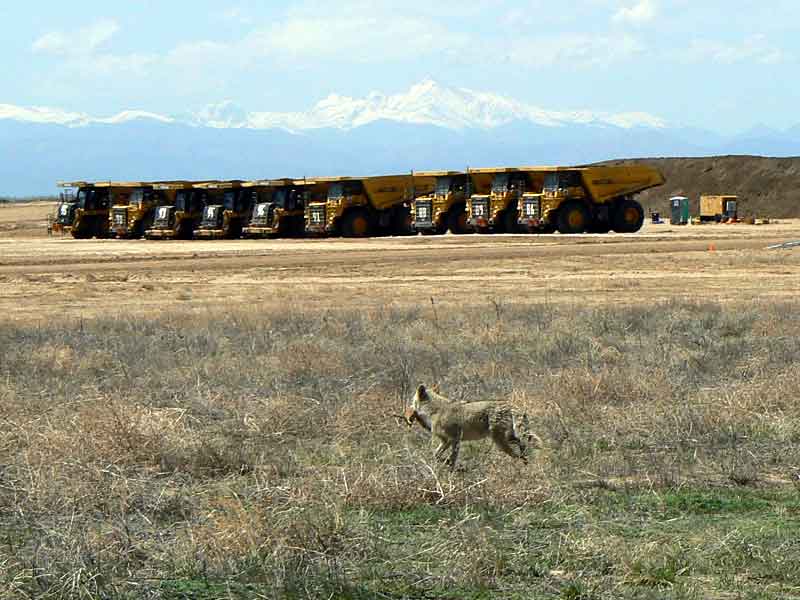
(57, 116)
(426, 127)
(426, 103)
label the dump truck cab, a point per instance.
(225, 217)
(132, 219)
(178, 210)
(279, 207)
(446, 207)
(85, 213)
(719, 208)
(68, 204)
(364, 206)
(497, 210)
(591, 199)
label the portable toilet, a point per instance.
(679, 210)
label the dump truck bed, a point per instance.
(219, 185)
(482, 178)
(386, 191)
(607, 183)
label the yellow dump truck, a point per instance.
(589, 199)
(133, 218)
(62, 221)
(363, 206)
(279, 206)
(178, 211)
(497, 210)
(719, 208)
(446, 208)
(84, 208)
(227, 218)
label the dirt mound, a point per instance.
(767, 187)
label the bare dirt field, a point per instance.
(42, 276)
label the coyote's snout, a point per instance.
(451, 422)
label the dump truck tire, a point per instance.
(573, 217)
(546, 228)
(457, 221)
(599, 227)
(185, 231)
(357, 223)
(627, 216)
(403, 223)
(510, 221)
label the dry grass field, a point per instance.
(215, 420)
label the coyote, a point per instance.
(451, 422)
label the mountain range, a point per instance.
(429, 126)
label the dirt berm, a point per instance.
(767, 187)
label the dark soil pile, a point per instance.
(767, 187)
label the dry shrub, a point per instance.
(264, 446)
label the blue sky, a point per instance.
(726, 66)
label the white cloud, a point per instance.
(298, 42)
(642, 12)
(111, 64)
(575, 50)
(358, 39)
(82, 51)
(754, 49)
(80, 42)
(237, 15)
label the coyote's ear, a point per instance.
(422, 392)
(435, 388)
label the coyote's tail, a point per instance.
(522, 431)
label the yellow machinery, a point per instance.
(225, 218)
(84, 208)
(67, 205)
(497, 209)
(446, 208)
(134, 218)
(178, 210)
(279, 206)
(589, 199)
(362, 206)
(718, 208)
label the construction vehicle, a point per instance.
(178, 211)
(227, 218)
(446, 208)
(133, 218)
(719, 208)
(64, 217)
(589, 199)
(497, 210)
(363, 206)
(279, 206)
(85, 214)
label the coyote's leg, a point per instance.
(456, 444)
(441, 449)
